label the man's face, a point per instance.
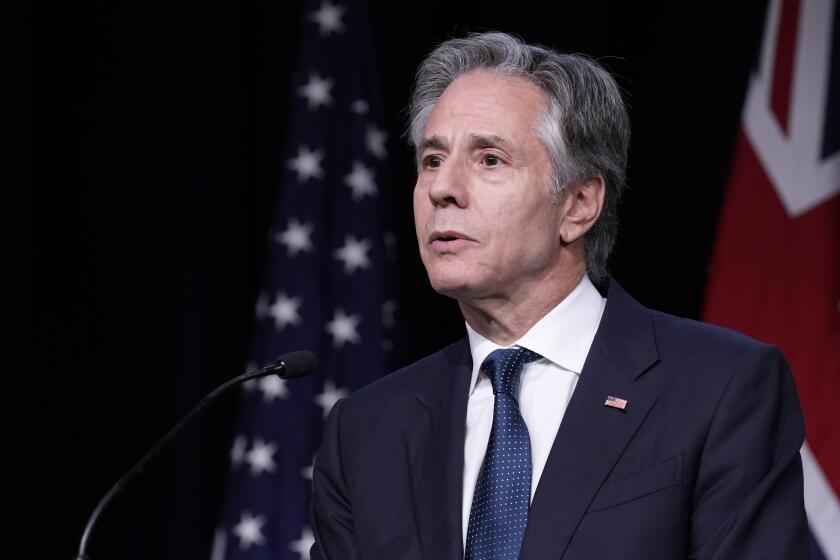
(486, 221)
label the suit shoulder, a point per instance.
(707, 347)
(704, 370)
(675, 331)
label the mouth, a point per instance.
(449, 241)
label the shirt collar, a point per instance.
(563, 336)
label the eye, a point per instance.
(490, 160)
(432, 162)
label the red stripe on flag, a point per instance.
(783, 68)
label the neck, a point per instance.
(504, 320)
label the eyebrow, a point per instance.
(476, 141)
(432, 143)
(488, 141)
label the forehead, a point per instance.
(486, 102)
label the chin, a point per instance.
(451, 285)
(452, 277)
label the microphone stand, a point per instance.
(287, 366)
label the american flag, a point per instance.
(615, 402)
(325, 287)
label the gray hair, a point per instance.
(585, 127)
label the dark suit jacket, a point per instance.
(703, 463)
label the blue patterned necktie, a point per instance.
(503, 490)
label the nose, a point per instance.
(448, 186)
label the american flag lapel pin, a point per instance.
(615, 402)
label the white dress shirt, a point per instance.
(563, 338)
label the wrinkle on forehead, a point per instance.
(479, 141)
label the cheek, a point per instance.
(420, 212)
(529, 232)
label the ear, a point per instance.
(582, 203)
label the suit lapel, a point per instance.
(593, 436)
(436, 449)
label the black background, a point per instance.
(162, 124)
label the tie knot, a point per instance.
(504, 368)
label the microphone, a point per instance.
(288, 366)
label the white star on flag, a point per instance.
(237, 452)
(353, 254)
(317, 91)
(360, 180)
(375, 141)
(285, 310)
(303, 544)
(273, 387)
(343, 328)
(307, 164)
(328, 18)
(296, 237)
(329, 396)
(249, 530)
(261, 457)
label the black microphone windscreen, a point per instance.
(297, 364)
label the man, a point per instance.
(570, 423)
